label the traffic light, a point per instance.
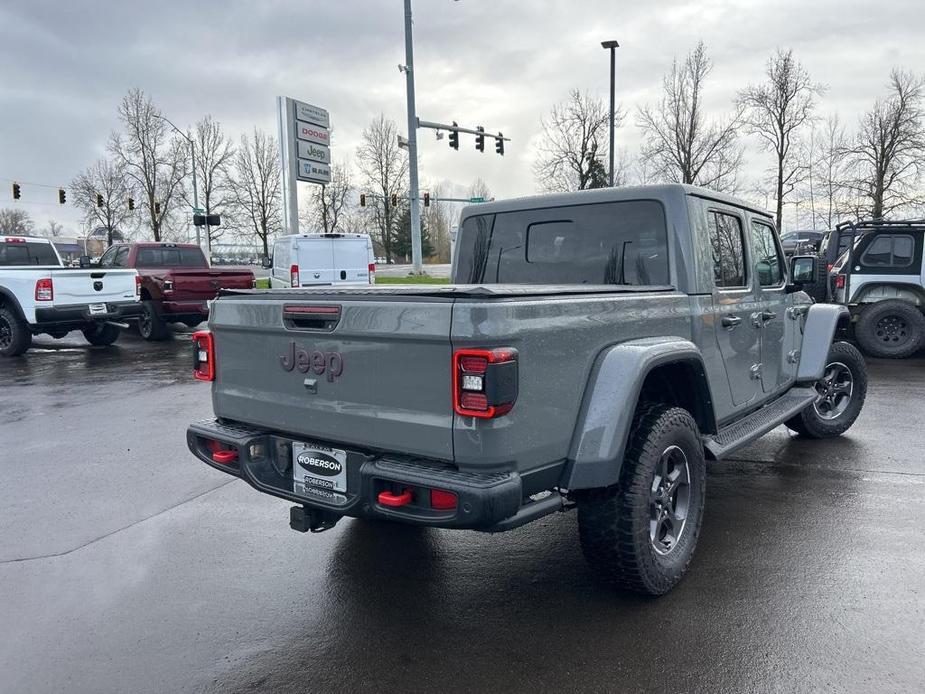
(131, 204)
(499, 144)
(99, 200)
(17, 193)
(394, 200)
(362, 199)
(426, 199)
(157, 208)
(454, 137)
(480, 139)
(62, 196)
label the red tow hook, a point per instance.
(225, 457)
(387, 498)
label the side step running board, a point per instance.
(530, 512)
(759, 422)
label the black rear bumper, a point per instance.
(491, 501)
(79, 314)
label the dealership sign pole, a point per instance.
(304, 150)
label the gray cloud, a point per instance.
(501, 64)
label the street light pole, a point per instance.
(613, 46)
(412, 143)
(192, 151)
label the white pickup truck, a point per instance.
(38, 294)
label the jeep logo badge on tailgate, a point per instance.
(316, 361)
(320, 464)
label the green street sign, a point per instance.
(476, 199)
(198, 210)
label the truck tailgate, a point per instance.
(204, 283)
(369, 371)
(89, 286)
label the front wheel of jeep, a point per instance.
(640, 534)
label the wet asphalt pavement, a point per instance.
(128, 566)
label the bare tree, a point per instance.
(890, 146)
(53, 228)
(102, 192)
(572, 153)
(154, 160)
(257, 199)
(775, 111)
(437, 219)
(677, 140)
(384, 170)
(214, 155)
(14, 221)
(329, 203)
(829, 182)
(479, 189)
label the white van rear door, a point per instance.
(316, 261)
(351, 261)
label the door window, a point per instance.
(727, 243)
(769, 261)
(108, 257)
(121, 259)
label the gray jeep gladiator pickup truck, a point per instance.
(595, 349)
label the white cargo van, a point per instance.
(303, 260)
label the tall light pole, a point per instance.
(408, 69)
(192, 152)
(613, 46)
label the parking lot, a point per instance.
(128, 566)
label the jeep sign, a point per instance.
(304, 138)
(313, 152)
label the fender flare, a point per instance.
(609, 405)
(818, 331)
(10, 299)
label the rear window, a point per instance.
(27, 253)
(889, 250)
(170, 257)
(601, 243)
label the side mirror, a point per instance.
(802, 272)
(266, 261)
(84, 261)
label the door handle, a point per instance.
(768, 315)
(730, 321)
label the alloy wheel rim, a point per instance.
(144, 323)
(669, 500)
(6, 333)
(835, 389)
(892, 330)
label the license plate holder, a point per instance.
(319, 466)
(98, 309)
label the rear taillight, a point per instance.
(138, 286)
(839, 281)
(372, 273)
(44, 290)
(484, 381)
(203, 356)
(294, 276)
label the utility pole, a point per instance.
(613, 46)
(412, 144)
(192, 152)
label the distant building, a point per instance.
(71, 248)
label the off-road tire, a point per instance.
(101, 334)
(891, 329)
(614, 522)
(15, 337)
(811, 423)
(150, 325)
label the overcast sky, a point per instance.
(501, 64)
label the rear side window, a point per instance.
(889, 250)
(170, 257)
(727, 244)
(19, 253)
(600, 243)
(769, 261)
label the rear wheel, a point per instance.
(640, 534)
(101, 334)
(151, 326)
(15, 337)
(842, 390)
(891, 329)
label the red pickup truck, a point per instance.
(176, 283)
